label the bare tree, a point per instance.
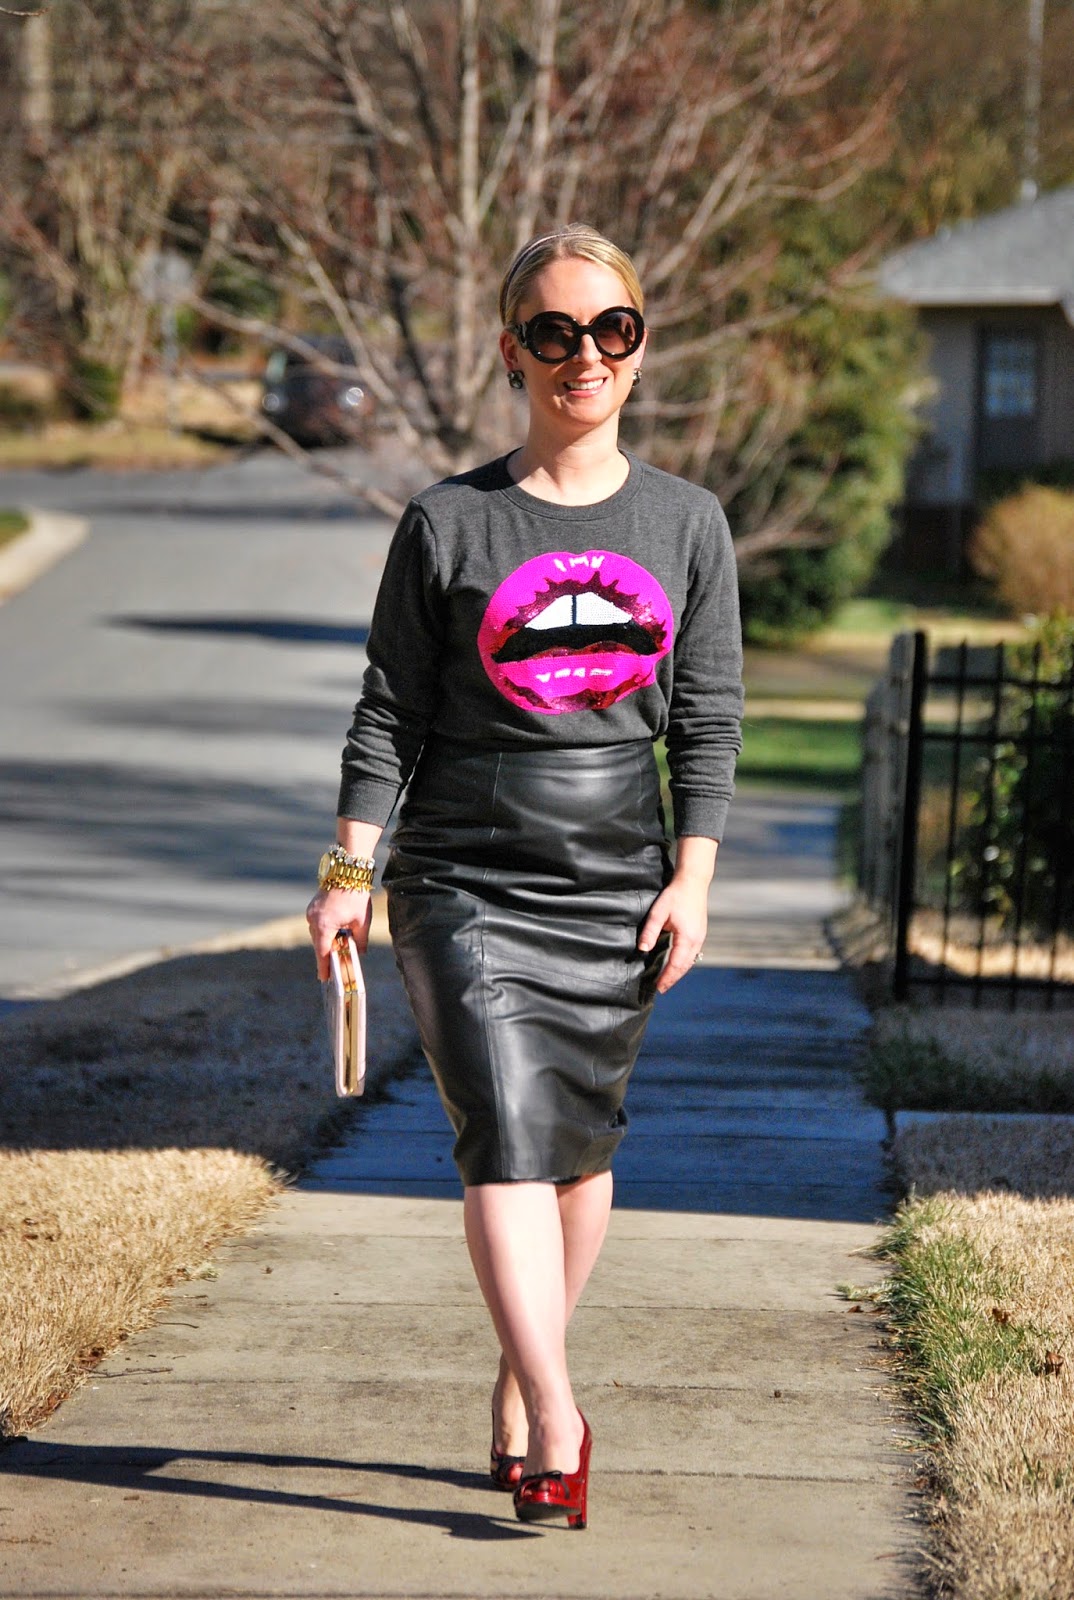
(388, 158)
(113, 101)
(373, 164)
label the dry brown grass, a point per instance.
(208, 404)
(114, 445)
(1003, 1044)
(955, 1058)
(982, 1299)
(142, 1120)
(216, 1051)
(140, 436)
(90, 1241)
(1000, 957)
(1003, 1457)
(1025, 1156)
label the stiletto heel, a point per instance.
(504, 1470)
(552, 1494)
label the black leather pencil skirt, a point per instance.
(517, 884)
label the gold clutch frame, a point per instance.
(345, 1010)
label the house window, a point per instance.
(1010, 376)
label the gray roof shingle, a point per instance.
(1021, 256)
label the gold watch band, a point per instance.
(338, 870)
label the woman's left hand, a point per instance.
(682, 910)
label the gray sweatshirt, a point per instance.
(506, 621)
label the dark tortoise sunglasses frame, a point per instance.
(529, 333)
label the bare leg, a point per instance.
(510, 1430)
(584, 1209)
(534, 1246)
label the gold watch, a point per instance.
(338, 870)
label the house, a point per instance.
(995, 298)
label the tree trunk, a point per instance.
(467, 226)
(37, 81)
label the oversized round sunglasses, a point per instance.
(553, 336)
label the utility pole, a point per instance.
(1034, 61)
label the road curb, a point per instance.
(50, 536)
(279, 933)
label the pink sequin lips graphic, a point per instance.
(575, 632)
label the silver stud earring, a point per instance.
(636, 378)
(515, 378)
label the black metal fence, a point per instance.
(967, 846)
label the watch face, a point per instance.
(325, 863)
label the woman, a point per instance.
(540, 621)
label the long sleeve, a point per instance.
(400, 687)
(705, 711)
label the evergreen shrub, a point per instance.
(857, 359)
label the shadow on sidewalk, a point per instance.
(274, 630)
(743, 1102)
(139, 1469)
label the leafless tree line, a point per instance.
(371, 165)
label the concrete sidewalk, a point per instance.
(775, 887)
(315, 1421)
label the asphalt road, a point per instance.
(176, 692)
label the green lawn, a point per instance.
(867, 615)
(813, 754)
(844, 660)
(795, 754)
(12, 523)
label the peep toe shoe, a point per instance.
(544, 1495)
(504, 1470)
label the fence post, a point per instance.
(911, 806)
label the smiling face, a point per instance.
(587, 391)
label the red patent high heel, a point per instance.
(504, 1470)
(555, 1494)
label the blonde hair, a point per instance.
(577, 241)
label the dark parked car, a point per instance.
(313, 406)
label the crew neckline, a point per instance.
(591, 511)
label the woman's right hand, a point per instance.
(333, 909)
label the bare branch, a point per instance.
(706, 344)
(506, 150)
(539, 99)
(271, 334)
(725, 191)
(465, 222)
(325, 469)
(788, 531)
(412, 51)
(541, 127)
(421, 143)
(29, 237)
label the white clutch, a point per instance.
(344, 1004)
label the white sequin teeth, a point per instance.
(575, 672)
(586, 610)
